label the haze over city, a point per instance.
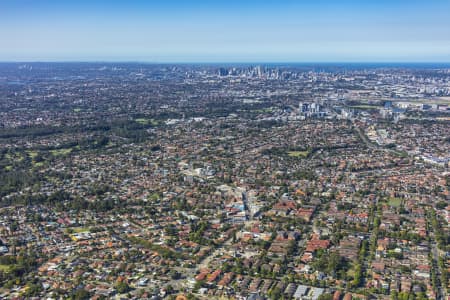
(225, 31)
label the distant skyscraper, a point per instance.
(259, 71)
(223, 72)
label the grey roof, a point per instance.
(301, 290)
(317, 292)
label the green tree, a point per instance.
(325, 297)
(122, 287)
(81, 294)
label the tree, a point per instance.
(81, 294)
(325, 297)
(334, 262)
(275, 293)
(169, 289)
(394, 295)
(198, 285)
(441, 205)
(175, 275)
(122, 287)
(403, 296)
(358, 276)
(32, 289)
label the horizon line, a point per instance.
(222, 62)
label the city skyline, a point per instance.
(225, 31)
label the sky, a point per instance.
(225, 31)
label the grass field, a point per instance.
(60, 152)
(436, 100)
(80, 229)
(5, 268)
(144, 121)
(38, 164)
(16, 156)
(32, 154)
(365, 107)
(154, 197)
(395, 202)
(300, 154)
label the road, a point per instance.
(364, 138)
(440, 286)
(441, 292)
(205, 262)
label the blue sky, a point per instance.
(225, 31)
